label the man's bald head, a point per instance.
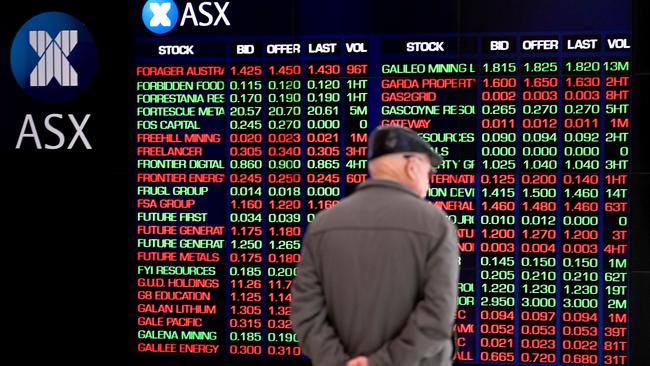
(393, 139)
(411, 169)
(387, 166)
(400, 154)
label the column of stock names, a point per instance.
(237, 149)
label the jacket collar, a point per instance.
(385, 183)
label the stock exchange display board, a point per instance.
(244, 132)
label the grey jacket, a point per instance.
(378, 277)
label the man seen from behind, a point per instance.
(377, 283)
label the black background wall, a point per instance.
(67, 214)
(65, 222)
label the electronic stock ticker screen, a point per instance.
(241, 139)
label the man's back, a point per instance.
(376, 256)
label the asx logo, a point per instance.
(53, 57)
(161, 16)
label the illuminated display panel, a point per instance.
(240, 143)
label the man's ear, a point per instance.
(411, 169)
